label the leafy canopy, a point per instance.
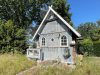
(21, 12)
(90, 30)
(11, 37)
(91, 34)
(63, 8)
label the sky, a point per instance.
(84, 11)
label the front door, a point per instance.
(41, 55)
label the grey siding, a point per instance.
(54, 30)
(54, 26)
(56, 42)
(56, 54)
(53, 49)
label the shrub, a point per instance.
(96, 46)
(86, 46)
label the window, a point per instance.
(43, 41)
(63, 41)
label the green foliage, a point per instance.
(96, 46)
(89, 47)
(11, 37)
(13, 64)
(90, 30)
(87, 30)
(63, 8)
(21, 12)
(86, 46)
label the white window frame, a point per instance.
(61, 41)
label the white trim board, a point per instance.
(69, 26)
(41, 24)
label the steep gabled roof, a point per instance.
(69, 26)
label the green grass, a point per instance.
(90, 66)
(13, 64)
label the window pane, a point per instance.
(43, 41)
(63, 40)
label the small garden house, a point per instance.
(55, 40)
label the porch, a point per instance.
(33, 53)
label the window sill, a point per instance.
(63, 46)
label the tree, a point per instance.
(98, 23)
(21, 12)
(87, 29)
(91, 33)
(98, 26)
(63, 8)
(11, 37)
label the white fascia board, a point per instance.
(40, 25)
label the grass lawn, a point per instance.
(13, 64)
(90, 66)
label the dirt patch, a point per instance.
(43, 66)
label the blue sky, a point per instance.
(84, 11)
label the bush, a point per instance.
(96, 46)
(86, 46)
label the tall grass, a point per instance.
(11, 64)
(90, 66)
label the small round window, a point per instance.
(52, 39)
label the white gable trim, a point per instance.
(50, 9)
(41, 24)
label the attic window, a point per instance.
(43, 41)
(63, 41)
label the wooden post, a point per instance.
(74, 54)
(73, 44)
